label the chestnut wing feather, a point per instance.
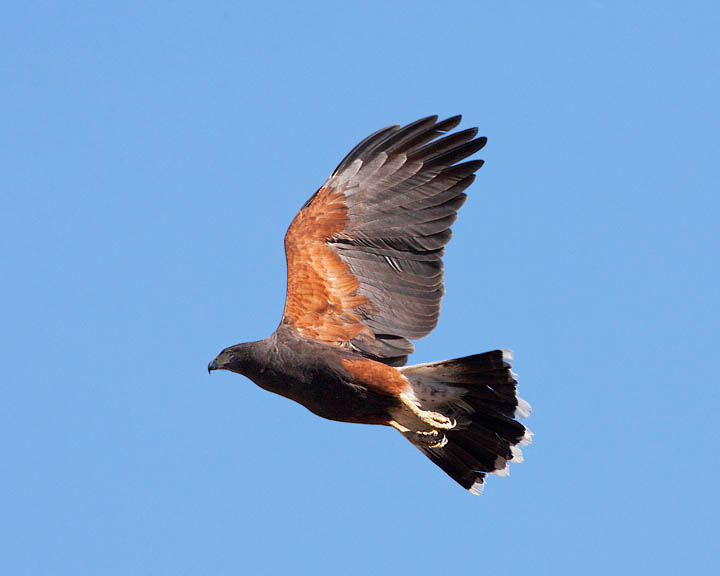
(364, 254)
(322, 294)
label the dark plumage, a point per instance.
(365, 277)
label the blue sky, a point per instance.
(151, 159)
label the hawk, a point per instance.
(364, 279)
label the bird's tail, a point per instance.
(480, 394)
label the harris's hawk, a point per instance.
(365, 277)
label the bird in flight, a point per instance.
(364, 279)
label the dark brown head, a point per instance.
(241, 358)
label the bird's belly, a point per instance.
(334, 399)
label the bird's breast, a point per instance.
(327, 390)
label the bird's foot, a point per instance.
(431, 439)
(434, 419)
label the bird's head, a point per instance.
(227, 359)
(240, 358)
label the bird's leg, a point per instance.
(434, 419)
(399, 427)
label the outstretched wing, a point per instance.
(364, 254)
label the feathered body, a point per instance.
(365, 277)
(310, 373)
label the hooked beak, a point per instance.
(212, 366)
